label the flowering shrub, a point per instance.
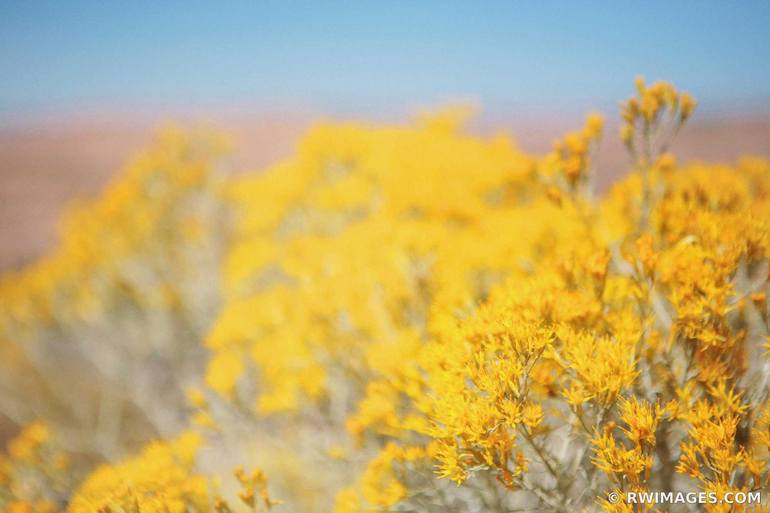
(102, 337)
(416, 319)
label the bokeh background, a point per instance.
(85, 84)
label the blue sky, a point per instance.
(337, 56)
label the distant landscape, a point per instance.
(47, 163)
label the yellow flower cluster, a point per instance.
(629, 466)
(159, 480)
(572, 155)
(641, 113)
(254, 486)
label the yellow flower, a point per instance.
(223, 372)
(686, 106)
(26, 444)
